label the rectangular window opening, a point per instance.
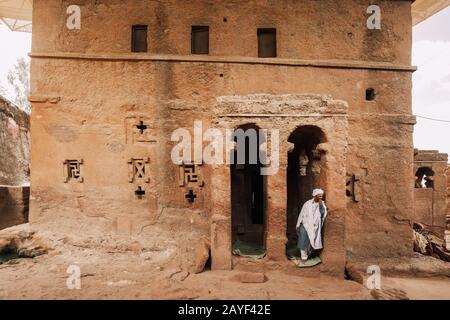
(370, 94)
(139, 38)
(200, 40)
(267, 43)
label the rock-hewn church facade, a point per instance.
(107, 97)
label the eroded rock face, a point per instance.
(14, 144)
(14, 165)
(20, 242)
(201, 255)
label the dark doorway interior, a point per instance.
(305, 172)
(267, 43)
(248, 197)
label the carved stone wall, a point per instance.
(107, 105)
(14, 164)
(430, 192)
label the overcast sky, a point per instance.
(431, 83)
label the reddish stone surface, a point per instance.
(88, 91)
(430, 204)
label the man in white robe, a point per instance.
(309, 224)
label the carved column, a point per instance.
(221, 255)
(276, 215)
(277, 207)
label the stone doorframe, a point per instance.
(285, 113)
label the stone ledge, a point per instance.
(272, 115)
(339, 64)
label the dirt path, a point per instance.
(114, 270)
(124, 276)
(128, 276)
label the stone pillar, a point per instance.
(221, 255)
(276, 215)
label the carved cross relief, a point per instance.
(138, 173)
(190, 177)
(72, 170)
(138, 170)
(352, 190)
(139, 130)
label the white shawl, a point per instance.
(310, 218)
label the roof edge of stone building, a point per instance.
(23, 11)
(423, 9)
(429, 155)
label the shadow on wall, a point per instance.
(14, 205)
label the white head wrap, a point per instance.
(316, 192)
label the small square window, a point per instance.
(370, 94)
(200, 40)
(139, 38)
(267, 43)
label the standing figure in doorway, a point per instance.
(309, 224)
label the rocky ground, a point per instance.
(34, 268)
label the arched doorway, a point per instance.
(248, 193)
(424, 178)
(306, 171)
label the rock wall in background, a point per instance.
(14, 144)
(14, 164)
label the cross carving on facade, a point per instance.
(191, 196)
(138, 170)
(140, 192)
(351, 190)
(142, 127)
(189, 176)
(72, 170)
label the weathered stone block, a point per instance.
(13, 205)
(201, 255)
(220, 243)
(251, 277)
